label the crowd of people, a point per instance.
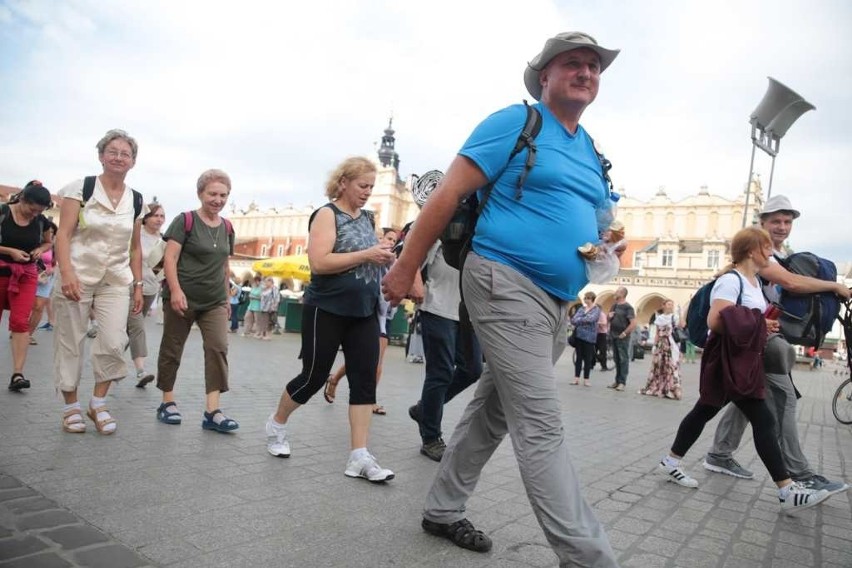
(508, 306)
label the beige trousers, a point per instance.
(110, 305)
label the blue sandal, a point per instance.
(225, 425)
(168, 417)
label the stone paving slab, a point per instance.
(158, 495)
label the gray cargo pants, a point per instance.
(781, 399)
(523, 331)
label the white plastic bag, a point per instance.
(606, 264)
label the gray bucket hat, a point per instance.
(778, 203)
(560, 43)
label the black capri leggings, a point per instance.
(585, 358)
(322, 334)
(762, 425)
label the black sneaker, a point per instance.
(434, 450)
(18, 382)
(414, 412)
(461, 533)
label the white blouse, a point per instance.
(100, 244)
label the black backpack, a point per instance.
(806, 318)
(699, 308)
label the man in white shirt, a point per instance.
(450, 367)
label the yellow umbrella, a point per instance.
(292, 266)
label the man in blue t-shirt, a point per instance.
(517, 290)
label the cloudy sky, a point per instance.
(276, 93)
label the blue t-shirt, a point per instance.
(355, 292)
(538, 235)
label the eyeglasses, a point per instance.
(117, 154)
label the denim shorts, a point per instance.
(43, 290)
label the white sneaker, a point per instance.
(368, 468)
(277, 443)
(677, 475)
(800, 497)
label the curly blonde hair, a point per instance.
(349, 169)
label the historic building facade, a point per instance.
(675, 246)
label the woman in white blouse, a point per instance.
(99, 255)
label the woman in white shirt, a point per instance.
(99, 255)
(736, 288)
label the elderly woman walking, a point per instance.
(198, 281)
(99, 254)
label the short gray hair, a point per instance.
(211, 176)
(117, 134)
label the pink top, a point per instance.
(603, 323)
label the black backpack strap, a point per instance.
(742, 284)
(606, 165)
(526, 139)
(88, 188)
(138, 204)
(4, 211)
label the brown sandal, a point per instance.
(100, 425)
(329, 390)
(76, 427)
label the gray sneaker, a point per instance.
(434, 450)
(728, 466)
(818, 482)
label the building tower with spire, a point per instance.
(387, 154)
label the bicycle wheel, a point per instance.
(841, 404)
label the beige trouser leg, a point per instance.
(110, 304)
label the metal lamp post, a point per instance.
(776, 113)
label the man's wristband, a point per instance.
(137, 283)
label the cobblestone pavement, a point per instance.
(159, 495)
